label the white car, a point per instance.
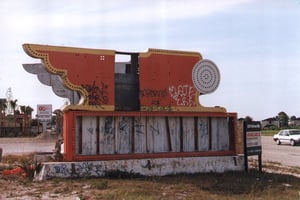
(289, 136)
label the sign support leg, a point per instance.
(259, 162)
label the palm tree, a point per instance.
(22, 108)
(14, 105)
(3, 105)
(28, 110)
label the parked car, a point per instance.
(289, 136)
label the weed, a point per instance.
(25, 162)
(100, 185)
(67, 189)
(122, 175)
(129, 185)
(30, 167)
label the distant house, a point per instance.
(270, 123)
(294, 122)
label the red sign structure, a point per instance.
(144, 108)
(158, 80)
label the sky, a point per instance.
(254, 43)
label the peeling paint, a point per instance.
(146, 167)
(129, 135)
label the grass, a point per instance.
(269, 132)
(229, 185)
(273, 132)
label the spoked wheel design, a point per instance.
(206, 76)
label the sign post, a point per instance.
(252, 141)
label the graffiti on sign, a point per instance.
(184, 95)
(83, 169)
(108, 125)
(98, 95)
(138, 125)
(154, 130)
(157, 108)
(61, 169)
(124, 125)
(153, 93)
(203, 128)
(90, 130)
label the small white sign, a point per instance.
(253, 138)
(44, 111)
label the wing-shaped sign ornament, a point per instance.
(89, 72)
(52, 80)
(157, 80)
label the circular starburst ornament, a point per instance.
(206, 76)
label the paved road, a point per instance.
(26, 145)
(284, 154)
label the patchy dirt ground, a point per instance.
(275, 182)
(214, 186)
(230, 185)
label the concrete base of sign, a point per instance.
(146, 167)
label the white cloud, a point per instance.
(149, 11)
(32, 14)
(212, 27)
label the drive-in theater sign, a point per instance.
(141, 116)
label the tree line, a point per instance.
(281, 117)
(4, 104)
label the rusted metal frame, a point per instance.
(115, 136)
(196, 134)
(168, 134)
(98, 135)
(209, 134)
(147, 135)
(231, 133)
(80, 134)
(153, 114)
(73, 135)
(153, 155)
(69, 132)
(181, 133)
(132, 135)
(76, 114)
